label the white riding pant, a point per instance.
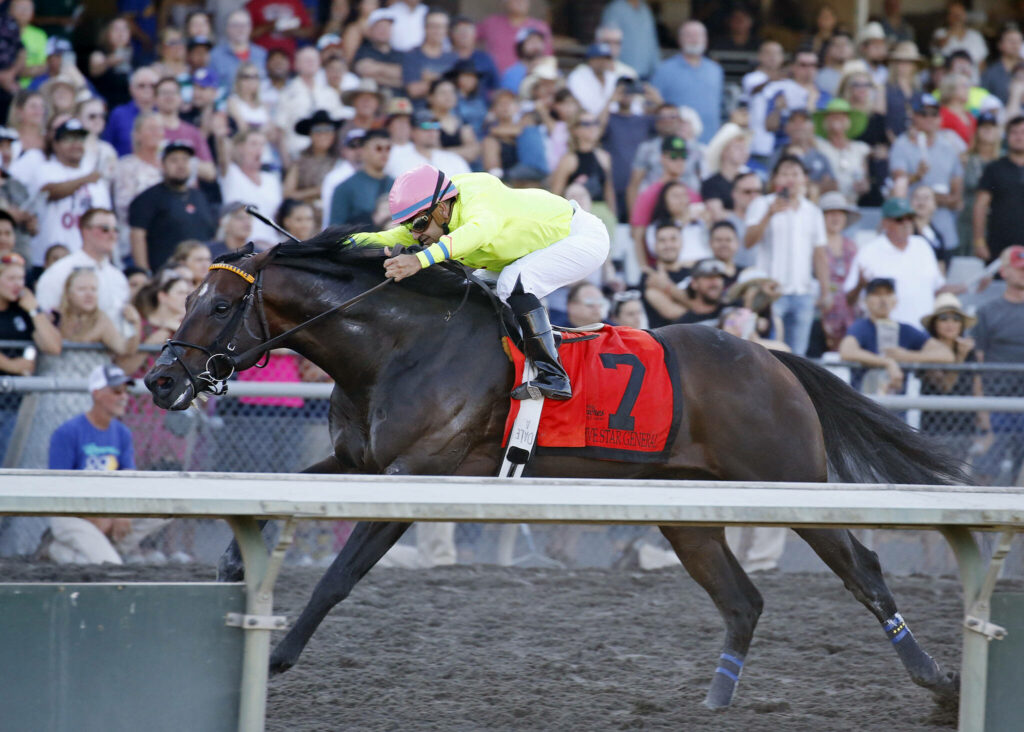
(564, 263)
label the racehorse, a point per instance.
(421, 388)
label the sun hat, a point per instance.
(726, 133)
(836, 201)
(319, 117)
(906, 51)
(366, 86)
(858, 120)
(947, 302)
(873, 31)
(749, 277)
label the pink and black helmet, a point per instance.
(417, 191)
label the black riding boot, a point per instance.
(539, 341)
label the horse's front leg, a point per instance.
(370, 540)
(230, 567)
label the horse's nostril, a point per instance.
(163, 382)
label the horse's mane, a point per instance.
(335, 254)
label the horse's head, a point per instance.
(223, 321)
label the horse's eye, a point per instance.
(221, 308)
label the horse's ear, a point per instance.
(249, 248)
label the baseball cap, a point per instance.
(68, 128)
(803, 111)
(205, 78)
(327, 40)
(7, 133)
(108, 375)
(398, 106)
(354, 137)
(987, 118)
(425, 120)
(599, 50)
(194, 41)
(880, 282)
(923, 101)
(708, 268)
(176, 146)
(380, 14)
(896, 208)
(525, 33)
(56, 44)
(674, 145)
(1014, 256)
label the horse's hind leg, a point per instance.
(230, 567)
(861, 573)
(707, 558)
(369, 541)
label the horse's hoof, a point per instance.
(230, 573)
(947, 691)
(279, 665)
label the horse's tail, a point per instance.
(864, 442)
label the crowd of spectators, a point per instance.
(837, 184)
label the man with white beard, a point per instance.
(692, 79)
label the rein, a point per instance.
(221, 365)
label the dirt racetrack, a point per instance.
(482, 647)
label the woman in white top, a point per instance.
(244, 106)
(99, 154)
(243, 179)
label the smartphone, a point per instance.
(784, 194)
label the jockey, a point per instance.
(536, 240)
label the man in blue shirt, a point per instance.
(692, 79)
(96, 440)
(639, 34)
(118, 132)
(355, 200)
(880, 343)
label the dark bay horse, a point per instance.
(422, 388)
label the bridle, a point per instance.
(221, 361)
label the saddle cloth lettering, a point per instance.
(626, 402)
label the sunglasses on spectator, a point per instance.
(322, 128)
(587, 123)
(12, 258)
(248, 76)
(105, 228)
(949, 316)
(428, 126)
(928, 112)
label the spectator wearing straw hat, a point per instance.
(725, 159)
(366, 100)
(873, 47)
(836, 313)
(837, 127)
(947, 323)
(904, 64)
(305, 177)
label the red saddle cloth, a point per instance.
(626, 402)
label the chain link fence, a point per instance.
(282, 427)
